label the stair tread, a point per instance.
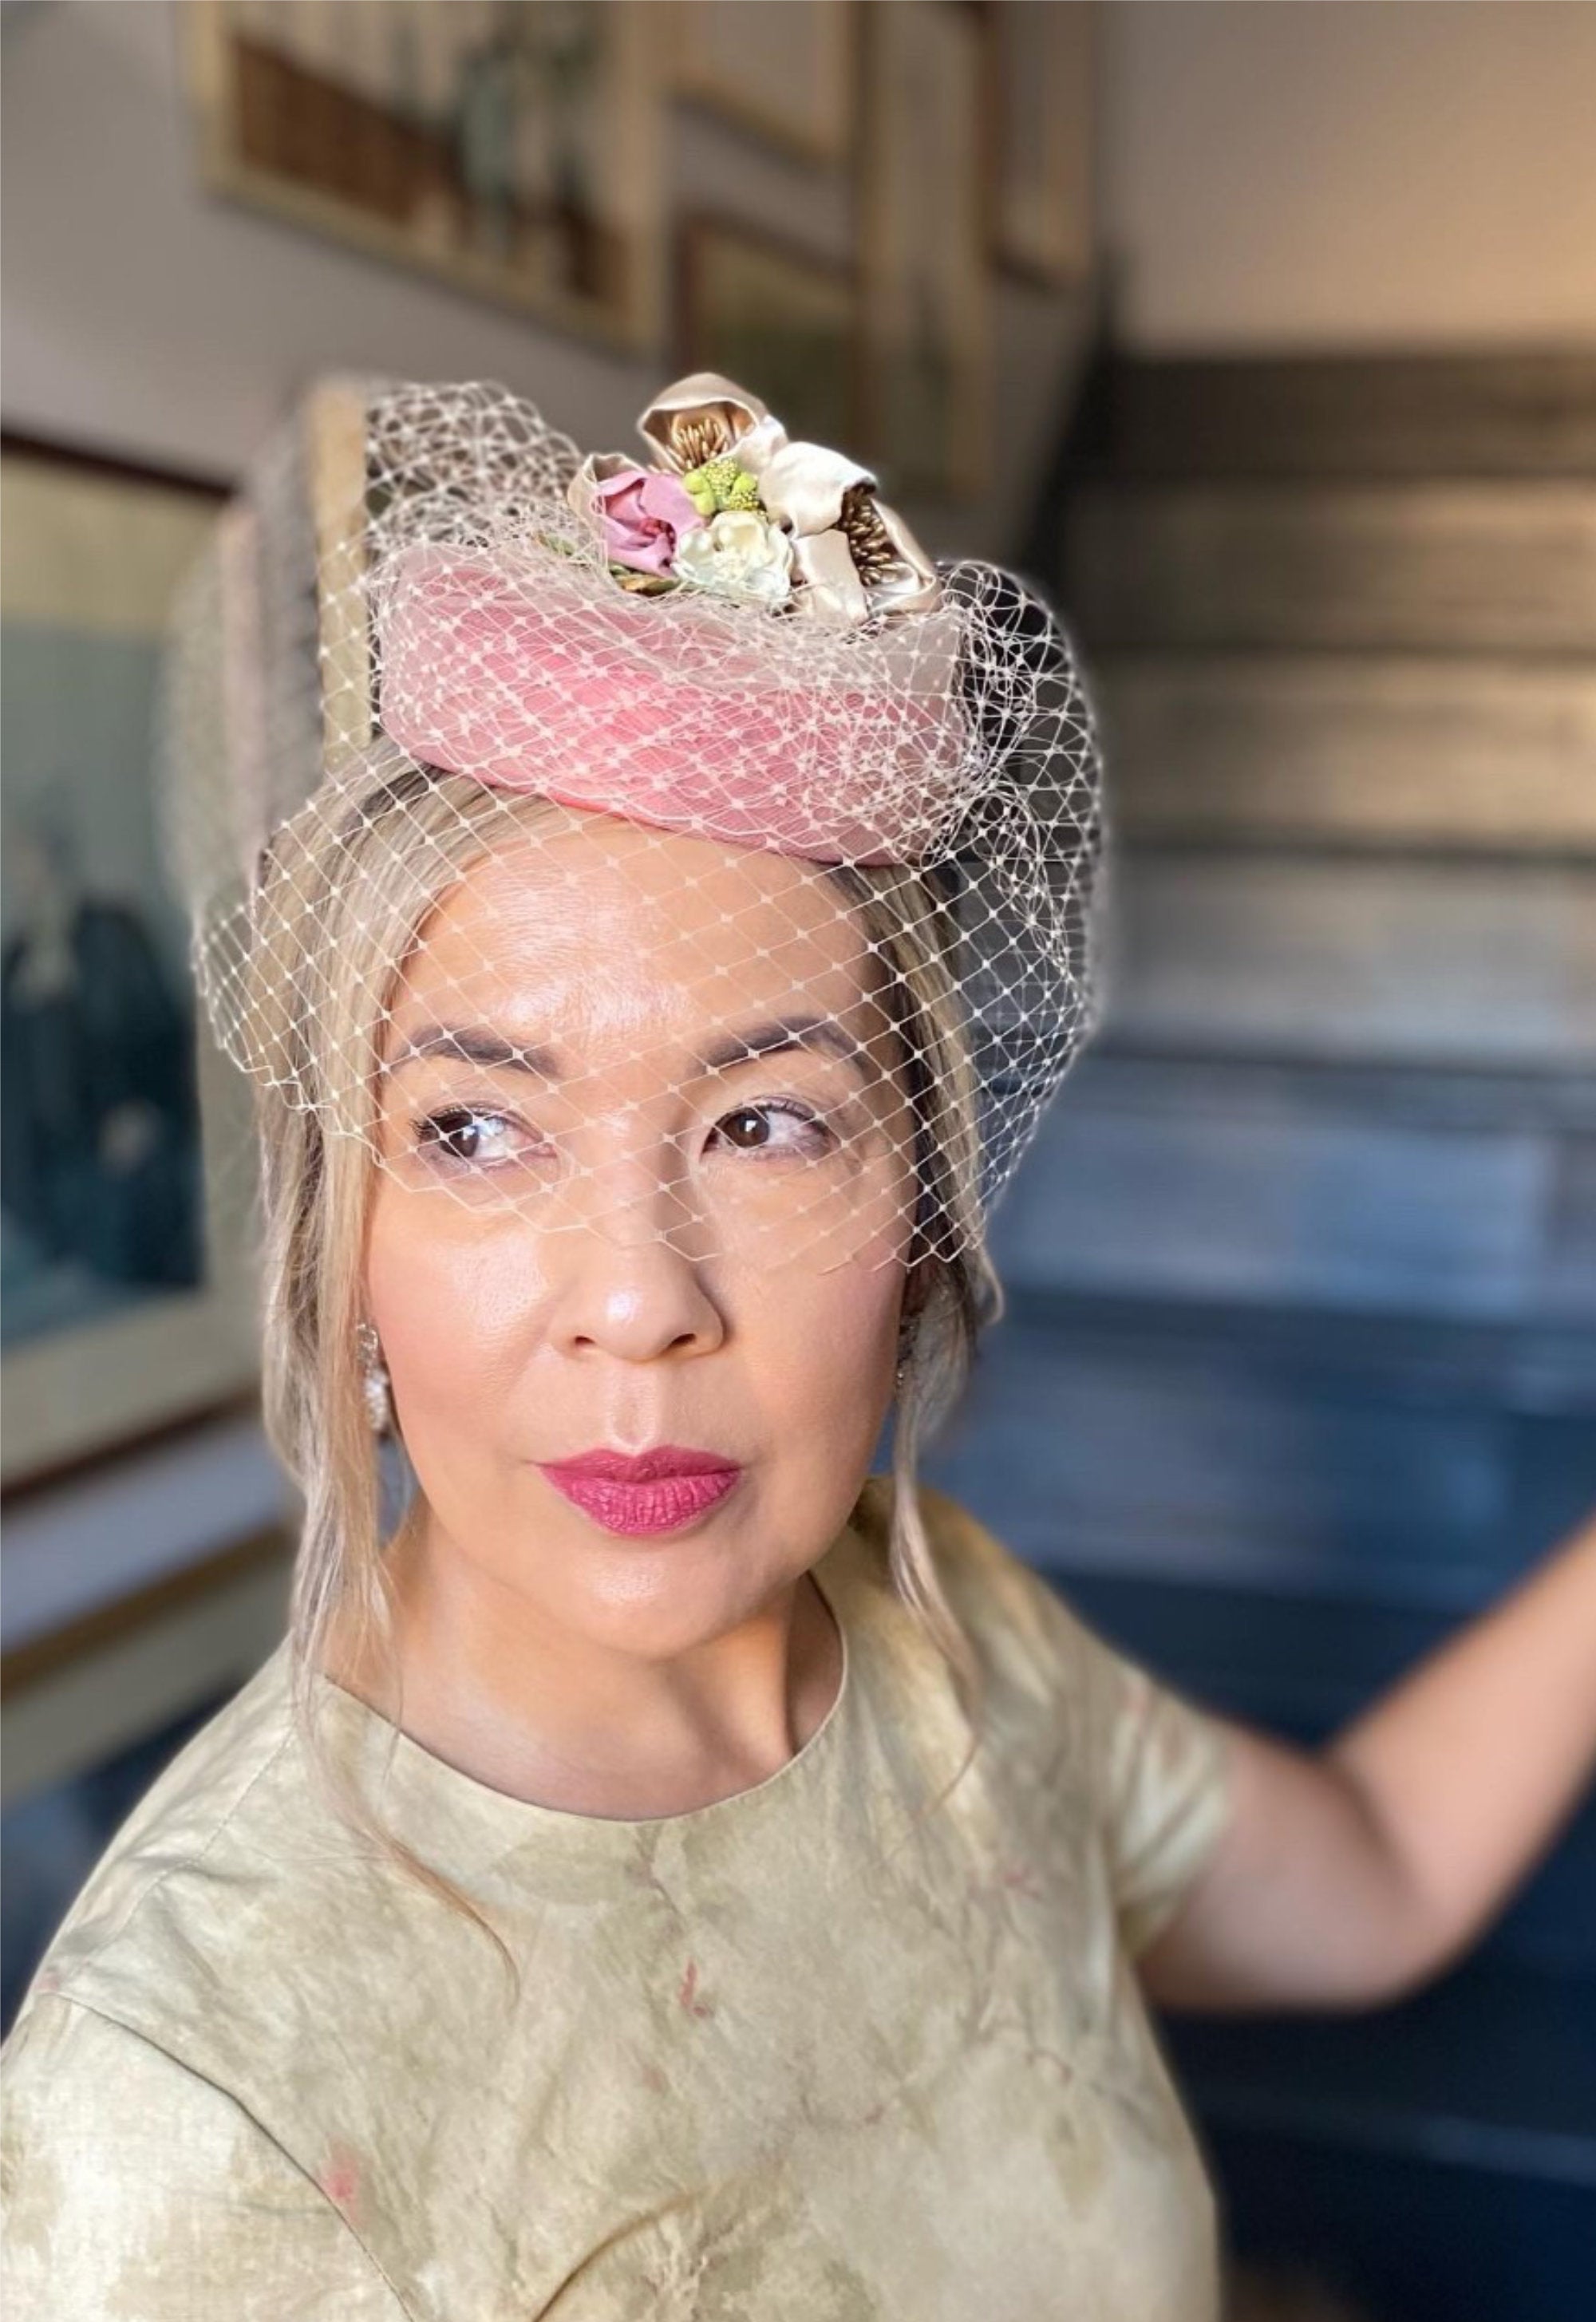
(1389, 752)
(1377, 959)
(1448, 567)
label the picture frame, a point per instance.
(925, 280)
(778, 319)
(793, 86)
(510, 149)
(1041, 62)
(126, 1183)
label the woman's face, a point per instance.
(647, 1181)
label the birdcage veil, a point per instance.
(492, 771)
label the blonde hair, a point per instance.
(346, 897)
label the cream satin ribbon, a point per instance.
(803, 487)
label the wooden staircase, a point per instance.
(1301, 1364)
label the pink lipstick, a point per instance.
(654, 1491)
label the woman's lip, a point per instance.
(645, 1467)
(664, 1503)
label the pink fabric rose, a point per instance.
(643, 514)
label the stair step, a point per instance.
(1210, 1463)
(1395, 960)
(1352, 1215)
(1530, 413)
(1505, 568)
(1324, 748)
(1489, 2069)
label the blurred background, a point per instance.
(1264, 335)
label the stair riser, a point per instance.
(1378, 753)
(1464, 567)
(1391, 962)
(1343, 1216)
(1495, 415)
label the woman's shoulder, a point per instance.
(198, 1796)
(139, 2143)
(191, 1897)
(1014, 1614)
(129, 2176)
(1154, 1765)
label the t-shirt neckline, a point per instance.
(416, 1777)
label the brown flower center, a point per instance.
(868, 540)
(697, 436)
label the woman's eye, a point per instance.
(465, 1135)
(773, 1127)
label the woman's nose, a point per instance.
(635, 1300)
(628, 1280)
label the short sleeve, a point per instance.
(137, 2191)
(1158, 1764)
(1163, 1770)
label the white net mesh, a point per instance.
(665, 847)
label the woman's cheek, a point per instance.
(454, 1307)
(830, 1348)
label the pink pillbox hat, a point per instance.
(530, 671)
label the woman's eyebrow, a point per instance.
(474, 1044)
(768, 1039)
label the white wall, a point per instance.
(1289, 173)
(142, 316)
(1309, 173)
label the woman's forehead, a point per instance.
(611, 928)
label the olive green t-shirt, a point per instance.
(794, 2056)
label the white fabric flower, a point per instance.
(738, 554)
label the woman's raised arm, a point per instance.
(1348, 1876)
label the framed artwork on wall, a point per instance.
(1042, 60)
(510, 148)
(125, 1185)
(924, 284)
(782, 70)
(777, 320)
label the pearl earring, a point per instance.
(374, 1380)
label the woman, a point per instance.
(678, 1872)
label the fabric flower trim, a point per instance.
(741, 553)
(645, 516)
(733, 507)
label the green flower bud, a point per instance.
(720, 483)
